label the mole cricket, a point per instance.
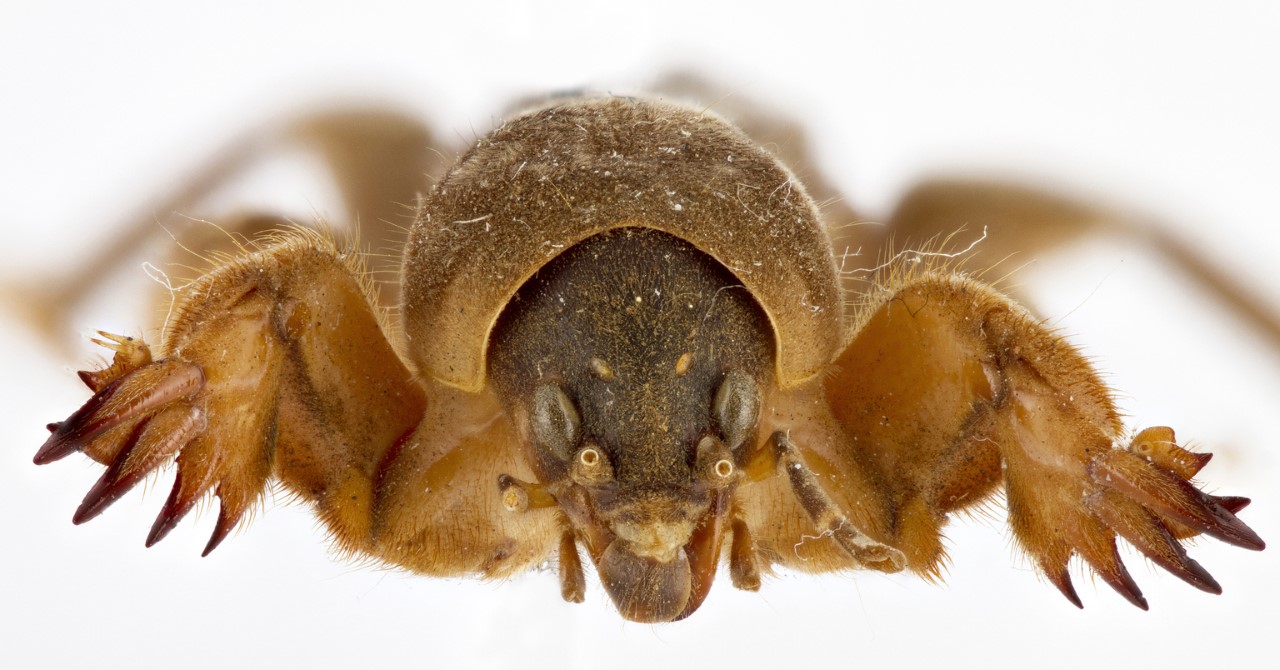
(625, 331)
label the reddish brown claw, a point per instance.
(1170, 496)
(1062, 580)
(130, 397)
(92, 379)
(1112, 571)
(68, 437)
(1145, 532)
(152, 443)
(1232, 504)
(111, 485)
(220, 530)
(176, 506)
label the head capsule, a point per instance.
(633, 366)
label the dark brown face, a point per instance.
(634, 364)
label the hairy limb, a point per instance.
(796, 508)
(1025, 221)
(377, 158)
(948, 390)
(275, 363)
(450, 499)
(825, 514)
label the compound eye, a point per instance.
(555, 421)
(736, 407)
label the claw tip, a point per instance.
(172, 512)
(84, 513)
(157, 533)
(1062, 581)
(220, 531)
(55, 448)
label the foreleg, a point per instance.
(949, 389)
(274, 363)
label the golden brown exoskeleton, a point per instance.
(624, 331)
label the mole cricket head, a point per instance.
(633, 367)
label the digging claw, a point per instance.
(1168, 495)
(220, 530)
(111, 485)
(150, 444)
(129, 398)
(1111, 569)
(1143, 495)
(1232, 504)
(175, 508)
(1061, 579)
(138, 419)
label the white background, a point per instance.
(1168, 110)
